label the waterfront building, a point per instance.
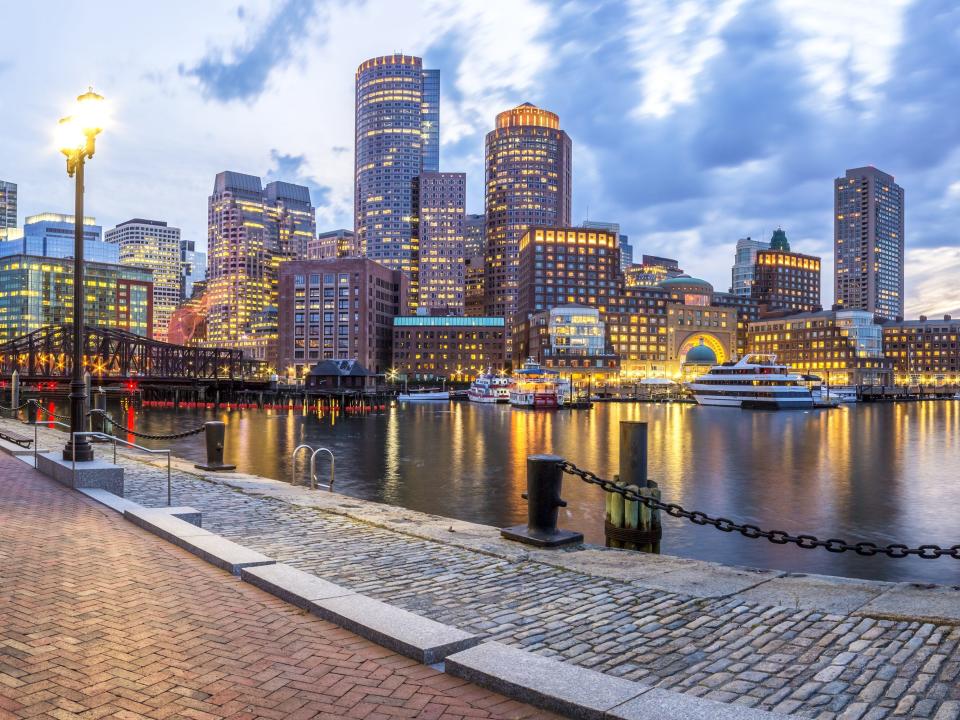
(841, 347)
(155, 246)
(651, 271)
(252, 231)
(785, 281)
(474, 237)
(37, 291)
(528, 184)
(869, 243)
(51, 235)
(333, 244)
(571, 338)
(473, 286)
(338, 310)
(193, 268)
(8, 208)
(748, 311)
(563, 265)
(744, 265)
(924, 351)
(626, 249)
(397, 139)
(456, 348)
(333, 375)
(439, 229)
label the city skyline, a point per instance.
(685, 139)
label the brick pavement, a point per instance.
(808, 663)
(101, 619)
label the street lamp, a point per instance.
(76, 136)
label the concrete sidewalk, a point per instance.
(98, 618)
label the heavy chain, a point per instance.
(148, 436)
(777, 537)
(15, 409)
(52, 414)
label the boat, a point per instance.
(957, 396)
(418, 395)
(537, 387)
(755, 381)
(490, 388)
(840, 394)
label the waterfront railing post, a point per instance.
(544, 483)
(631, 524)
(215, 432)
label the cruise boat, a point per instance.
(842, 394)
(754, 381)
(537, 387)
(490, 388)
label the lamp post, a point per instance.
(77, 139)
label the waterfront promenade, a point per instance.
(98, 619)
(802, 646)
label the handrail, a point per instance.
(293, 462)
(105, 436)
(313, 470)
(35, 437)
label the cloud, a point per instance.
(244, 74)
(293, 169)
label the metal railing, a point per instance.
(313, 467)
(115, 440)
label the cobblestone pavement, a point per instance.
(101, 619)
(803, 662)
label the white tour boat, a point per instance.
(490, 388)
(840, 393)
(537, 387)
(417, 395)
(754, 381)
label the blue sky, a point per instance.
(694, 123)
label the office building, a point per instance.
(37, 292)
(924, 351)
(397, 139)
(570, 338)
(193, 268)
(252, 231)
(155, 246)
(651, 271)
(473, 286)
(439, 229)
(785, 281)
(338, 310)
(868, 243)
(841, 347)
(528, 184)
(744, 265)
(447, 347)
(51, 235)
(474, 238)
(626, 249)
(333, 244)
(8, 208)
(560, 266)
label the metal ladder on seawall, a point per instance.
(313, 467)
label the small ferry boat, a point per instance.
(754, 381)
(490, 388)
(537, 387)
(418, 395)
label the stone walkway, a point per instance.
(100, 619)
(790, 660)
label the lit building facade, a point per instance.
(37, 292)
(193, 268)
(333, 244)
(744, 264)
(651, 271)
(397, 139)
(474, 235)
(785, 281)
(51, 235)
(338, 310)
(8, 207)
(569, 338)
(924, 351)
(868, 243)
(841, 347)
(626, 249)
(439, 229)
(528, 184)
(155, 246)
(455, 348)
(473, 286)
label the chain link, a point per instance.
(147, 436)
(15, 409)
(52, 414)
(778, 537)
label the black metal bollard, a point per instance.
(215, 432)
(544, 482)
(32, 413)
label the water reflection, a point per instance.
(883, 472)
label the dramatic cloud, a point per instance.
(292, 168)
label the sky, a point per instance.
(694, 122)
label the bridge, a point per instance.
(116, 356)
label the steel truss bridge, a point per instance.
(113, 355)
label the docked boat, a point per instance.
(755, 381)
(840, 394)
(490, 388)
(537, 387)
(419, 395)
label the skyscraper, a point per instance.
(193, 268)
(155, 246)
(397, 139)
(868, 243)
(744, 263)
(8, 207)
(333, 244)
(785, 281)
(440, 232)
(528, 184)
(626, 249)
(474, 227)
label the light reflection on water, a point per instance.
(879, 472)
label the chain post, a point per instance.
(544, 482)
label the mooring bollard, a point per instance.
(544, 482)
(32, 413)
(216, 432)
(630, 524)
(15, 394)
